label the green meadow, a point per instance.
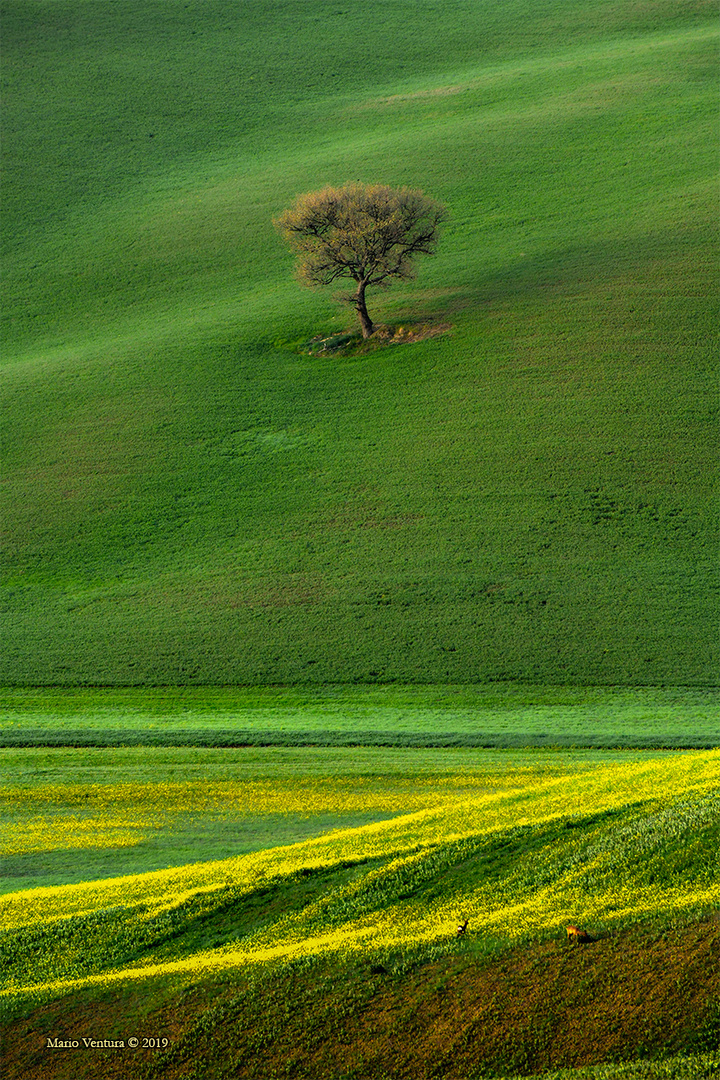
(503, 715)
(191, 498)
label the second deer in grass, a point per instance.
(580, 937)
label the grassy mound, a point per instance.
(353, 343)
(531, 497)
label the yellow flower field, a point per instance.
(605, 846)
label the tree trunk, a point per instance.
(365, 320)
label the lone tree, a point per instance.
(367, 232)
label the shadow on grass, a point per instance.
(580, 266)
(562, 271)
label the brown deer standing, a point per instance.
(580, 937)
(461, 929)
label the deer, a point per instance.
(580, 937)
(461, 929)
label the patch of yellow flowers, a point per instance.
(595, 875)
(49, 817)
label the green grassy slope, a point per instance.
(459, 1018)
(530, 497)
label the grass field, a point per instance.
(191, 498)
(500, 715)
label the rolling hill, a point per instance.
(530, 495)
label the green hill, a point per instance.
(192, 498)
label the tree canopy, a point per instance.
(367, 232)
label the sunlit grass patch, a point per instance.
(678, 1067)
(218, 803)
